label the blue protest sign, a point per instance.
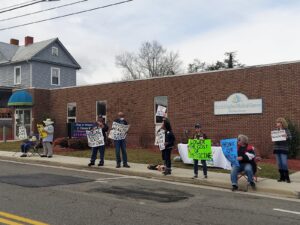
(229, 148)
(78, 130)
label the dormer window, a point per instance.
(54, 51)
(17, 79)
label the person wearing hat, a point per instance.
(47, 141)
(199, 135)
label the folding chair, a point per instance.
(255, 176)
(36, 148)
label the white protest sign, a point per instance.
(95, 138)
(278, 135)
(118, 131)
(160, 139)
(161, 111)
(22, 133)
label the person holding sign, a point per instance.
(100, 124)
(247, 164)
(168, 145)
(47, 141)
(200, 136)
(27, 144)
(121, 144)
(281, 148)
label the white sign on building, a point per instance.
(238, 103)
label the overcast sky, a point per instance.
(260, 31)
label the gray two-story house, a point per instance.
(46, 64)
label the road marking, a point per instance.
(8, 222)
(19, 218)
(287, 211)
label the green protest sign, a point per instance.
(200, 149)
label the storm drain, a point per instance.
(42, 180)
(157, 195)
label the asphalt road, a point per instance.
(60, 196)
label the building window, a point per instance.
(17, 75)
(101, 109)
(163, 102)
(55, 76)
(71, 107)
(54, 51)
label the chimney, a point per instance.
(28, 40)
(14, 41)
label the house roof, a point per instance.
(13, 53)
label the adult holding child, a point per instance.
(281, 149)
(100, 124)
(47, 141)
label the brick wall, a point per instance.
(190, 99)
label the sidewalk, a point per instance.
(222, 180)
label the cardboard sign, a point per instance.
(22, 133)
(229, 148)
(278, 135)
(161, 111)
(118, 131)
(95, 138)
(200, 149)
(160, 139)
(41, 131)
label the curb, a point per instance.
(172, 178)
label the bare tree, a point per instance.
(152, 60)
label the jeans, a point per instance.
(25, 147)
(166, 156)
(121, 144)
(196, 166)
(247, 167)
(282, 161)
(95, 150)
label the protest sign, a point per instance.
(41, 131)
(200, 149)
(161, 111)
(22, 133)
(78, 130)
(229, 148)
(95, 138)
(118, 131)
(278, 135)
(160, 139)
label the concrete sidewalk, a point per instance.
(222, 180)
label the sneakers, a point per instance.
(23, 155)
(43, 156)
(49, 156)
(91, 164)
(234, 188)
(126, 165)
(195, 176)
(101, 164)
(167, 172)
(118, 166)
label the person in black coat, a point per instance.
(169, 144)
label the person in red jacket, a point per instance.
(246, 159)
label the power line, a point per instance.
(25, 5)
(8, 7)
(66, 15)
(40, 11)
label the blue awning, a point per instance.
(20, 98)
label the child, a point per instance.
(199, 135)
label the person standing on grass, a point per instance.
(169, 144)
(100, 124)
(281, 149)
(121, 144)
(199, 135)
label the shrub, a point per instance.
(294, 144)
(78, 143)
(63, 142)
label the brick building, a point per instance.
(189, 99)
